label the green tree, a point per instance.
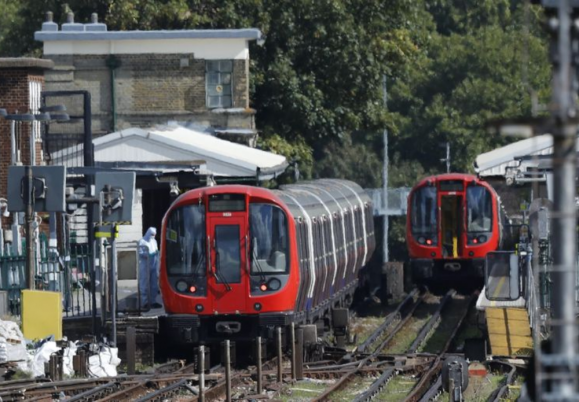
(480, 73)
(9, 21)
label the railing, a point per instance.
(67, 274)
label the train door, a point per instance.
(228, 280)
(451, 225)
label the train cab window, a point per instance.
(268, 231)
(424, 211)
(479, 209)
(185, 241)
(185, 248)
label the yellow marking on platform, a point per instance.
(509, 330)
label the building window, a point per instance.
(218, 82)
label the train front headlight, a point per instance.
(274, 284)
(482, 239)
(422, 240)
(181, 286)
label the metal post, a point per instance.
(131, 344)
(300, 354)
(227, 370)
(385, 253)
(259, 385)
(114, 283)
(564, 216)
(201, 357)
(447, 157)
(279, 355)
(293, 341)
(29, 228)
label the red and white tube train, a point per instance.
(238, 261)
(453, 221)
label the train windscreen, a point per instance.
(185, 244)
(268, 230)
(424, 211)
(480, 211)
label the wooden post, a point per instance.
(293, 341)
(279, 355)
(227, 370)
(259, 389)
(299, 354)
(131, 343)
(201, 358)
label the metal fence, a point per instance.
(68, 274)
(396, 200)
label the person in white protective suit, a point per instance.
(149, 270)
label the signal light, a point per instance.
(192, 289)
(429, 242)
(263, 287)
(475, 240)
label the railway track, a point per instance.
(377, 361)
(372, 366)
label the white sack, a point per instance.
(15, 343)
(42, 356)
(105, 363)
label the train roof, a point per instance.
(449, 176)
(322, 197)
(317, 197)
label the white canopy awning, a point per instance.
(222, 158)
(497, 161)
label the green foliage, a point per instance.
(295, 152)
(9, 21)
(350, 160)
(317, 81)
(474, 72)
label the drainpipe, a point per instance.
(113, 63)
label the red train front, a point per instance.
(453, 221)
(239, 261)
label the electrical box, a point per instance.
(41, 314)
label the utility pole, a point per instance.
(385, 254)
(563, 298)
(447, 159)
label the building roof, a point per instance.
(95, 39)
(84, 35)
(223, 158)
(25, 62)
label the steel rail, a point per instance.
(96, 393)
(387, 375)
(387, 322)
(171, 389)
(346, 379)
(433, 391)
(428, 380)
(500, 393)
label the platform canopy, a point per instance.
(500, 161)
(176, 143)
